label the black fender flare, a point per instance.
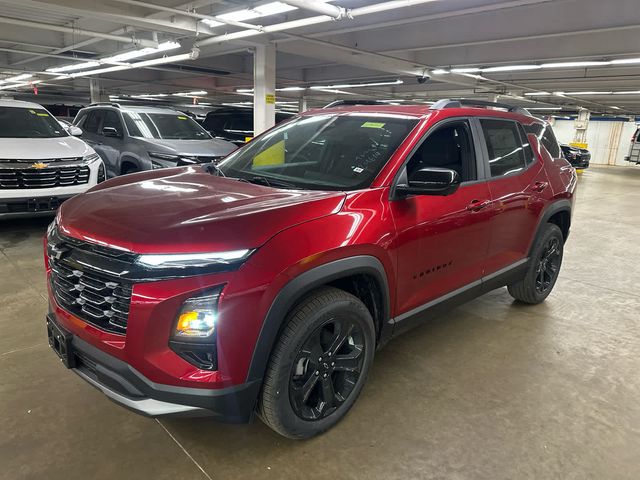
(560, 205)
(302, 284)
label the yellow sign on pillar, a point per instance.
(270, 98)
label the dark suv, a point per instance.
(234, 125)
(135, 138)
(265, 284)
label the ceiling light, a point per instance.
(331, 90)
(630, 92)
(615, 108)
(574, 64)
(511, 68)
(466, 70)
(356, 85)
(259, 11)
(290, 89)
(625, 61)
(536, 94)
(18, 85)
(439, 71)
(244, 90)
(75, 66)
(17, 78)
(123, 57)
(559, 94)
(190, 94)
(588, 93)
(145, 63)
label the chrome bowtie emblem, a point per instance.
(57, 253)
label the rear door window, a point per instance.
(504, 145)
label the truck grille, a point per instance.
(51, 176)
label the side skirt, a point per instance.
(438, 306)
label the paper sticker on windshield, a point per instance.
(372, 125)
(182, 117)
(42, 114)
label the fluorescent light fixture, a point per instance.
(574, 64)
(191, 259)
(290, 89)
(614, 107)
(123, 57)
(17, 78)
(629, 92)
(117, 68)
(331, 90)
(75, 66)
(588, 93)
(190, 94)
(544, 108)
(558, 94)
(258, 11)
(466, 70)
(625, 61)
(536, 94)
(18, 85)
(511, 68)
(244, 90)
(356, 85)
(439, 71)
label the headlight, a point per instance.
(164, 156)
(187, 260)
(91, 158)
(197, 317)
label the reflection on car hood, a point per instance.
(179, 210)
(211, 147)
(43, 148)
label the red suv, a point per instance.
(265, 284)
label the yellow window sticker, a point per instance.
(182, 117)
(33, 111)
(274, 155)
(372, 125)
(42, 114)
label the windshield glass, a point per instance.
(18, 122)
(328, 152)
(166, 126)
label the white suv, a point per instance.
(41, 163)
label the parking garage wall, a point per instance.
(608, 141)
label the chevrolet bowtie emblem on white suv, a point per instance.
(39, 165)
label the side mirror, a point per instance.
(430, 181)
(110, 132)
(75, 131)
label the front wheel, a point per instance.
(319, 364)
(544, 267)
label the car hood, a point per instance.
(43, 148)
(211, 147)
(184, 210)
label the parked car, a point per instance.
(41, 164)
(133, 139)
(265, 283)
(234, 124)
(634, 148)
(578, 157)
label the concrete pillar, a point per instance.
(302, 104)
(264, 88)
(581, 123)
(96, 92)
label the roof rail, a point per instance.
(110, 104)
(467, 102)
(344, 103)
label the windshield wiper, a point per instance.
(269, 182)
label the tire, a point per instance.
(293, 399)
(544, 267)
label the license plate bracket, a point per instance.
(60, 342)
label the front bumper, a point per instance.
(126, 386)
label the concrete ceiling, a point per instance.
(397, 45)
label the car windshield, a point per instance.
(166, 126)
(19, 122)
(326, 152)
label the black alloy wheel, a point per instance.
(326, 369)
(548, 265)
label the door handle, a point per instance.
(539, 186)
(477, 205)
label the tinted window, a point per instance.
(448, 147)
(550, 143)
(328, 152)
(18, 122)
(79, 119)
(111, 120)
(239, 124)
(504, 146)
(528, 151)
(92, 122)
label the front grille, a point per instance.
(48, 177)
(93, 298)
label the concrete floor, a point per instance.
(494, 390)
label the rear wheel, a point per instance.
(544, 267)
(319, 364)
